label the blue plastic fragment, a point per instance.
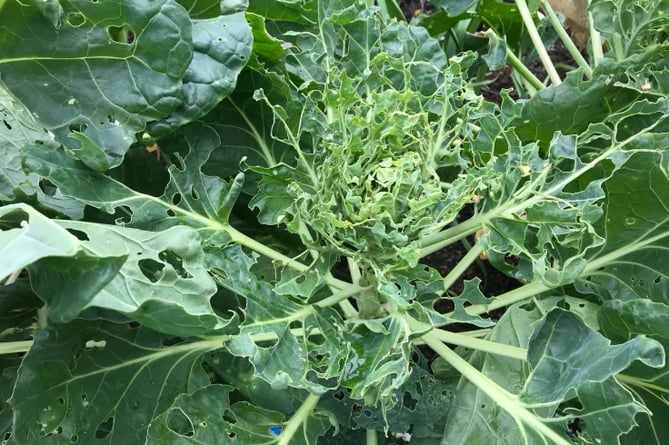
(275, 430)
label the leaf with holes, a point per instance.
(96, 80)
(207, 416)
(101, 382)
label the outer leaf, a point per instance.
(163, 281)
(221, 48)
(636, 236)
(474, 417)
(207, 416)
(565, 354)
(190, 196)
(17, 130)
(100, 77)
(608, 411)
(32, 237)
(100, 383)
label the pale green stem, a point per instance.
(568, 43)
(635, 381)
(12, 347)
(371, 437)
(521, 69)
(504, 399)
(467, 341)
(595, 41)
(42, 317)
(300, 417)
(536, 40)
(460, 268)
(524, 292)
(618, 48)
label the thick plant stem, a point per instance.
(568, 43)
(371, 437)
(538, 44)
(467, 341)
(524, 292)
(299, 418)
(504, 399)
(521, 69)
(595, 41)
(12, 347)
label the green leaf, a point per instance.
(95, 81)
(630, 26)
(190, 196)
(559, 362)
(28, 236)
(624, 319)
(207, 415)
(101, 382)
(608, 411)
(454, 7)
(17, 130)
(163, 281)
(636, 236)
(576, 103)
(221, 48)
(474, 416)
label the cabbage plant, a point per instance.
(215, 217)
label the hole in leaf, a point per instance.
(9, 127)
(14, 220)
(47, 187)
(152, 269)
(176, 199)
(229, 417)
(104, 428)
(658, 279)
(121, 34)
(123, 215)
(339, 395)
(194, 193)
(75, 19)
(78, 127)
(409, 402)
(61, 401)
(171, 213)
(134, 324)
(178, 422)
(175, 261)
(232, 435)
(74, 439)
(81, 236)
